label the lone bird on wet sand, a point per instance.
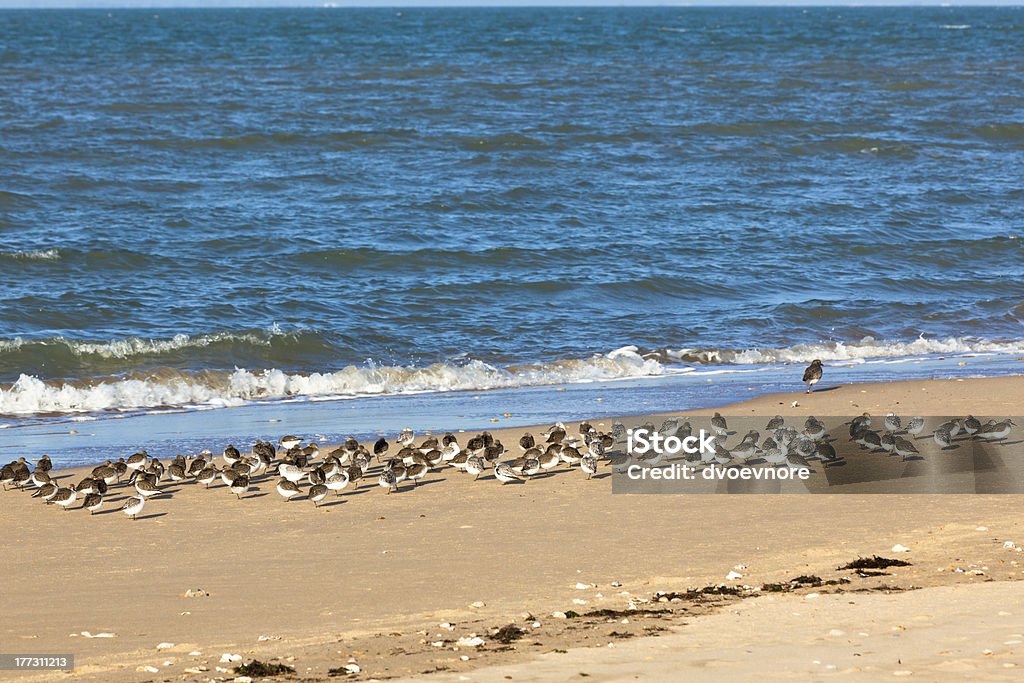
(812, 375)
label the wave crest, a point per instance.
(171, 388)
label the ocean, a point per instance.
(235, 212)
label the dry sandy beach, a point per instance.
(368, 580)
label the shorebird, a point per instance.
(65, 497)
(942, 438)
(44, 464)
(888, 442)
(475, 466)
(953, 427)
(825, 451)
(45, 492)
(904, 448)
(291, 472)
(137, 461)
(814, 428)
(406, 438)
(338, 482)
(207, 475)
(176, 473)
(571, 455)
(588, 464)
(550, 458)
(972, 425)
(775, 423)
(994, 432)
(719, 425)
(504, 473)
(231, 455)
(812, 375)
(915, 426)
(450, 451)
(240, 485)
(871, 440)
(526, 442)
(380, 447)
(145, 485)
(6, 476)
(93, 502)
(289, 442)
(859, 424)
(892, 422)
(556, 433)
(40, 477)
(133, 506)
(316, 494)
(416, 471)
(387, 480)
(287, 489)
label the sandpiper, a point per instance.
(814, 428)
(137, 461)
(999, 430)
(93, 502)
(915, 426)
(287, 489)
(406, 437)
(588, 464)
(133, 506)
(775, 423)
(45, 492)
(416, 471)
(240, 485)
(44, 464)
(379, 448)
(903, 448)
(231, 454)
(316, 494)
(289, 442)
(387, 480)
(207, 475)
(291, 472)
(504, 473)
(942, 438)
(825, 451)
(972, 425)
(145, 485)
(719, 425)
(526, 442)
(892, 422)
(812, 375)
(337, 482)
(65, 497)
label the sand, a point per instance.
(369, 578)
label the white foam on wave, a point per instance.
(956, 27)
(34, 255)
(31, 395)
(863, 351)
(141, 346)
(163, 390)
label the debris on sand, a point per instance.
(874, 562)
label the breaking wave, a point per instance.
(836, 351)
(164, 388)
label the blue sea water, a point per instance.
(207, 208)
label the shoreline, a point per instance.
(323, 585)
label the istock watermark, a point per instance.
(861, 454)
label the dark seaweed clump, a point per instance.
(874, 562)
(507, 634)
(258, 669)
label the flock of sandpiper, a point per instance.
(296, 466)
(300, 470)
